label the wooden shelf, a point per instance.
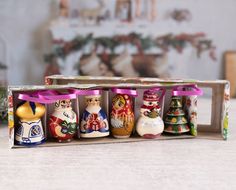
(108, 140)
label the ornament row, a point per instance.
(64, 123)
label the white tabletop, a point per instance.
(171, 164)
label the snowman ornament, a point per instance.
(63, 122)
(150, 124)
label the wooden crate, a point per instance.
(217, 129)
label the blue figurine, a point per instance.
(30, 129)
(94, 121)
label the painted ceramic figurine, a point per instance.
(175, 121)
(63, 121)
(150, 124)
(30, 129)
(94, 120)
(122, 116)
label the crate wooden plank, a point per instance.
(230, 70)
(108, 140)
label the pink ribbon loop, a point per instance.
(32, 98)
(55, 95)
(125, 91)
(185, 90)
(80, 92)
(162, 90)
(46, 96)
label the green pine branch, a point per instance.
(165, 43)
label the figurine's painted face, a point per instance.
(118, 102)
(63, 104)
(150, 103)
(93, 101)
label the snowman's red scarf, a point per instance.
(150, 107)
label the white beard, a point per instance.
(93, 109)
(61, 114)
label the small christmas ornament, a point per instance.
(90, 65)
(30, 129)
(123, 10)
(175, 121)
(94, 119)
(152, 14)
(150, 124)
(63, 121)
(123, 65)
(94, 66)
(138, 8)
(180, 15)
(122, 116)
(64, 8)
(92, 11)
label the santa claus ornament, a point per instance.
(122, 113)
(94, 119)
(63, 121)
(150, 124)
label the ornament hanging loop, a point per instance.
(125, 91)
(187, 90)
(159, 89)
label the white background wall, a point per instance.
(24, 24)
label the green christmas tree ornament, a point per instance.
(175, 121)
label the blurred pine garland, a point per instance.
(165, 43)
